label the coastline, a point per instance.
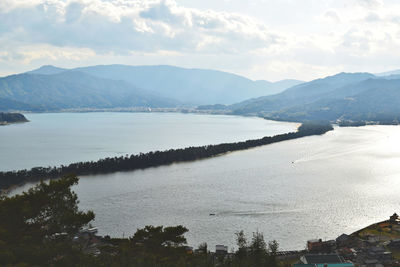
(6, 123)
(7, 118)
(195, 110)
(153, 158)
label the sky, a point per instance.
(260, 39)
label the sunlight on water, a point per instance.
(338, 183)
(313, 187)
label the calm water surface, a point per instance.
(319, 186)
(63, 138)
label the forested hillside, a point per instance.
(73, 89)
(343, 97)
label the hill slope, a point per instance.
(47, 70)
(197, 86)
(301, 94)
(373, 100)
(345, 96)
(12, 105)
(73, 89)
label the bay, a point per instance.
(52, 139)
(313, 187)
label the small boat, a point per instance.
(212, 214)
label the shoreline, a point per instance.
(8, 118)
(151, 159)
(6, 123)
(191, 110)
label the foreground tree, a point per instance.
(153, 246)
(256, 253)
(241, 253)
(38, 226)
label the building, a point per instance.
(348, 241)
(394, 218)
(321, 258)
(395, 243)
(319, 246)
(344, 264)
(221, 249)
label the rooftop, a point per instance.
(322, 258)
(344, 264)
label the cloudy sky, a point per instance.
(260, 39)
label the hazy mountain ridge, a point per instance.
(198, 86)
(50, 88)
(388, 73)
(300, 94)
(73, 89)
(47, 70)
(345, 96)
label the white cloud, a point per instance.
(372, 17)
(321, 36)
(369, 3)
(123, 26)
(331, 15)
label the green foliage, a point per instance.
(154, 238)
(258, 253)
(203, 248)
(11, 118)
(38, 226)
(351, 123)
(241, 242)
(315, 127)
(153, 246)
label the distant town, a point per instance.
(377, 245)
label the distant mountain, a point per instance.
(345, 96)
(342, 97)
(72, 89)
(391, 77)
(120, 86)
(371, 100)
(47, 70)
(388, 73)
(196, 86)
(302, 94)
(277, 87)
(12, 105)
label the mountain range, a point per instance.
(72, 90)
(50, 88)
(121, 86)
(342, 97)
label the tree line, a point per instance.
(11, 118)
(151, 159)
